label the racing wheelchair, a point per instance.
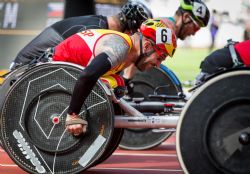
(213, 133)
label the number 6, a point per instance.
(164, 35)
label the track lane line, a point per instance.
(138, 169)
(142, 154)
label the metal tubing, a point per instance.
(124, 105)
(129, 109)
(146, 121)
(157, 106)
(178, 104)
(148, 106)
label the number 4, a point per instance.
(199, 9)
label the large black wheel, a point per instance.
(115, 139)
(213, 133)
(145, 83)
(7, 80)
(33, 117)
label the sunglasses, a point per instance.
(196, 25)
(159, 51)
(162, 56)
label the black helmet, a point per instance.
(134, 13)
(198, 9)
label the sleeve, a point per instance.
(86, 81)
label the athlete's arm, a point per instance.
(115, 47)
(86, 81)
(110, 54)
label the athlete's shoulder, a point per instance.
(124, 36)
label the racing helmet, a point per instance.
(198, 10)
(135, 12)
(164, 38)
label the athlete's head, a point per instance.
(164, 38)
(157, 42)
(134, 12)
(194, 14)
(198, 10)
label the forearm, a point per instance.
(86, 81)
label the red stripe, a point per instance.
(105, 81)
(119, 79)
(74, 50)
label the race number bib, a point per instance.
(199, 10)
(163, 35)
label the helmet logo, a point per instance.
(163, 35)
(199, 10)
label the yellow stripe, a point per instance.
(20, 32)
(125, 36)
(1, 80)
(112, 81)
(2, 72)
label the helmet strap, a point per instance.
(183, 23)
(142, 55)
(141, 51)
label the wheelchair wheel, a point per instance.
(145, 83)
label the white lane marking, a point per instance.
(141, 154)
(8, 165)
(168, 144)
(134, 154)
(138, 169)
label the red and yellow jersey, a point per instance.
(113, 80)
(80, 48)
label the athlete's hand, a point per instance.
(75, 125)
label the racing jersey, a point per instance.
(80, 48)
(56, 33)
(242, 49)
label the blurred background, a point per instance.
(22, 20)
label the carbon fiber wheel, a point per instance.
(33, 121)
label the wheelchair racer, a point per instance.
(234, 54)
(107, 52)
